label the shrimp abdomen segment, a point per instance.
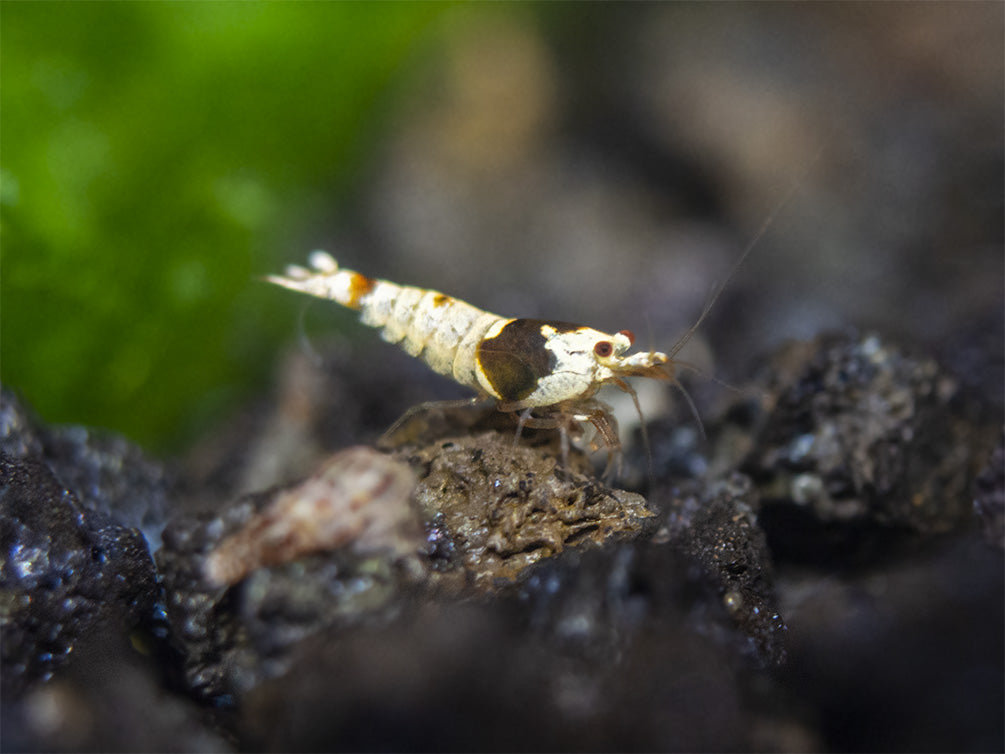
(439, 329)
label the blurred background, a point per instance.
(603, 164)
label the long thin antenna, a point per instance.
(642, 426)
(796, 184)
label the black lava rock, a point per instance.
(107, 474)
(863, 433)
(67, 570)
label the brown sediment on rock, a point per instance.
(494, 507)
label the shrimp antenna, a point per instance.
(624, 385)
(794, 186)
(694, 409)
(706, 376)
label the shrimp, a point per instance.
(545, 372)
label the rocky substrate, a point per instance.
(823, 572)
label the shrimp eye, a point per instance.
(604, 348)
(630, 335)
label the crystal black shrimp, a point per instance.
(547, 372)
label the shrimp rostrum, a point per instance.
(546, 373)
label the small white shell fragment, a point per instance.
(358, 498)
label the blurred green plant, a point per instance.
(156, 157)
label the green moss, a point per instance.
(157, 158)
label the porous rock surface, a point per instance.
(706, 614)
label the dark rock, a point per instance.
(451, 678)
(716, 528)
(491, 509)
(903, 656)
(989, 497)
(234, 637)
(19, 435)
(106, 472)
(594, 604)
(67, 569)
(861, 432)
(109, 697)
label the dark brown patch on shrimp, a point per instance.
(515, 359)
